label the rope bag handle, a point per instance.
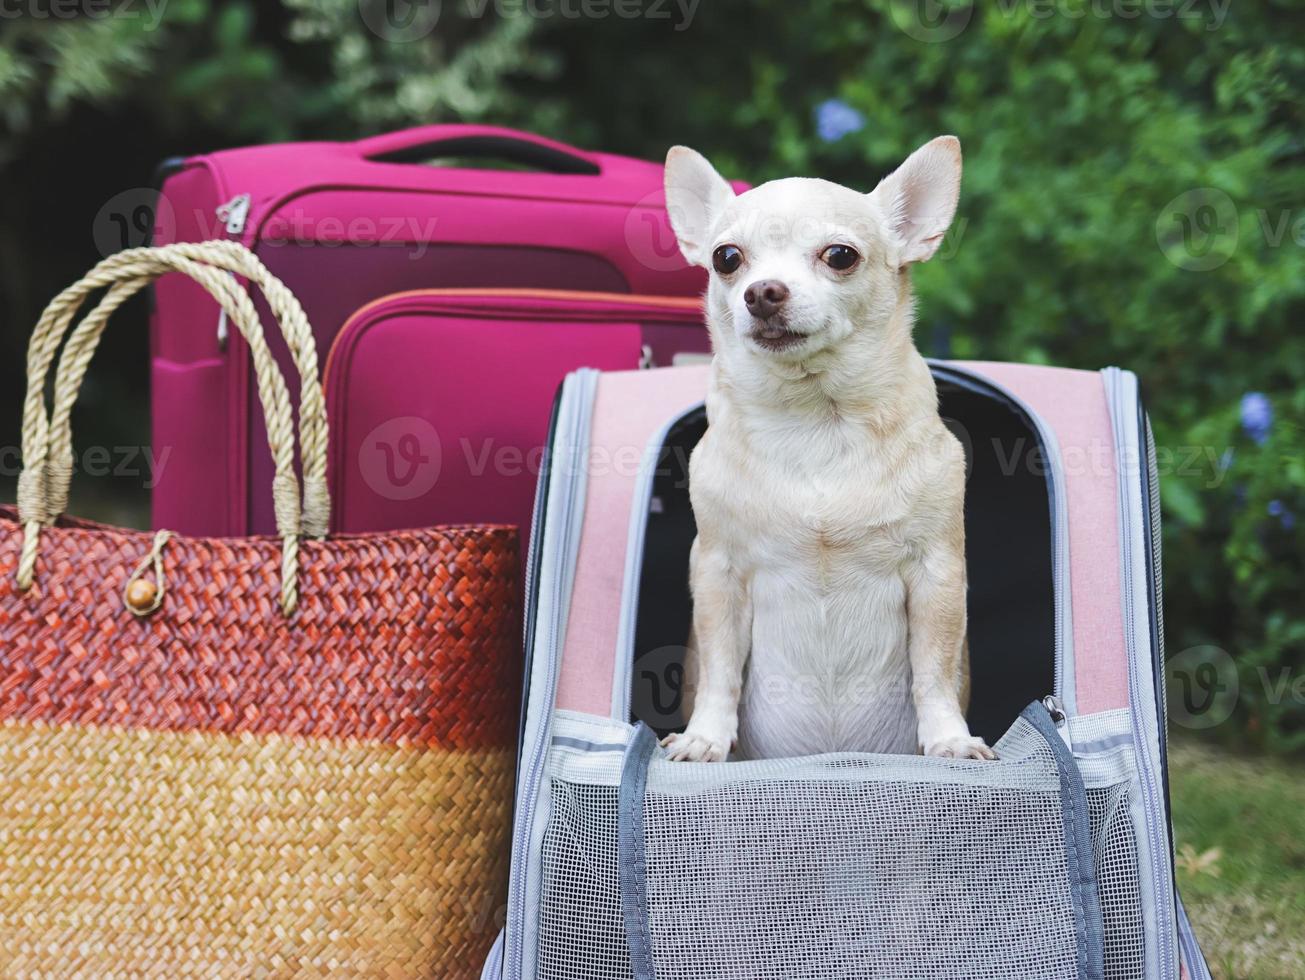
(47, 444)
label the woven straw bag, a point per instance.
(280, 756)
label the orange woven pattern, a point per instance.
(402, 637)
(221, 790)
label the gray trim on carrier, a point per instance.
(564, 515)
(1083, 892)
(633, 859)
(1143, 697)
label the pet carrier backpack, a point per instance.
(1053, 862)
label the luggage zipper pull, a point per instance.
(233, 216)
(1056, 708)
(235, 213)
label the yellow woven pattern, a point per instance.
(185, 854)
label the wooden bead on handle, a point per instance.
(141, 595)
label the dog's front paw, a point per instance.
(961, 747)
(690, 747)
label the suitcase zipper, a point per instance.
(235, 213)
(233, 216)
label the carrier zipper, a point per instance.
(529, 789)
(1056, 708)
(1157, 573)
(1161, 852)
(233, 216)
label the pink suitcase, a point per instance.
(439, 399)
(343, 224)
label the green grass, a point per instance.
(1240, 828)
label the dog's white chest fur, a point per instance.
(829, 668)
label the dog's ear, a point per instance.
(919, 198)
(695, 194)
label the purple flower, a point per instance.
(1257, 415)
(836, 119)
(1285, 517)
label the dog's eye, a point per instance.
(727, 259)
(840, 257)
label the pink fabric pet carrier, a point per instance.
(1054, 862)
(343, 224)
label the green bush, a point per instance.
(1134, 194)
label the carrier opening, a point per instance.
(1011, 602)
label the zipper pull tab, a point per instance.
(1056, 708)
(235, 213)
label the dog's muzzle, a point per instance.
(773, 335)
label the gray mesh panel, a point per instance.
(1115, 848)
(832, 869)
(581, 935)
(790, 878)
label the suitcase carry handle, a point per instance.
(490, 142)
(47, 442)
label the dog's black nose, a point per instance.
(764, 298)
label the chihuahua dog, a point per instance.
(828, 574)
